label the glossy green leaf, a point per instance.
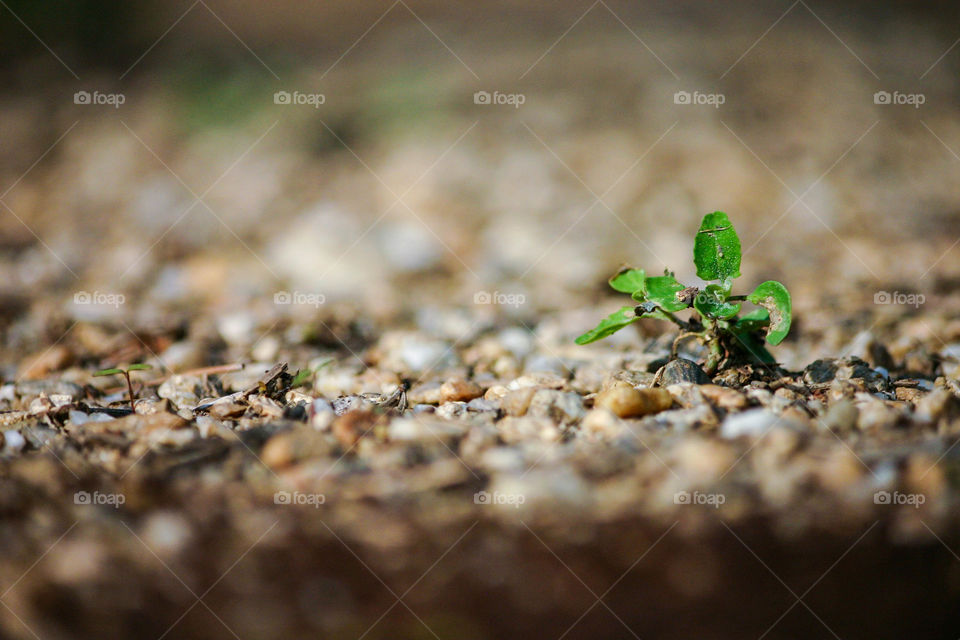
(753, 321)
(139, 367)
(774, 297)
(609, 325)
(629, 280)
(107, 372)
(663, 290)
(712, 302)
(716, 250)
(753, 346)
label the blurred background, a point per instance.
(377, 189)
(198, 158)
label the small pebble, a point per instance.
(627, 402)
(460, 391)
(13, 441)
(753, 423)
(682, 370)
(841, 416)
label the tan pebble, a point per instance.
(876, 416)
(227, 409)
(938, 404)
(158, 422)
(543, 380)
(841, 416)
(906, 394)
(602, 423)
(460, 391)
(516, 403)
(724, 397)
(627, 402)
(496, 392)
(506, 367)
(353, 425)
(687, 394)
(429, 393)
(278, 452)
(787, 394)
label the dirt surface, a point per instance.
(448, 463)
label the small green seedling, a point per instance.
(126, 374)
(728, 337)
(305, 375)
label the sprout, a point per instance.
(716, 255)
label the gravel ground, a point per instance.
(366, 416)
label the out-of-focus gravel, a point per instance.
(452, 458)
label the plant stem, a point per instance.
(685, 334)
(126, 374)
(680, 323)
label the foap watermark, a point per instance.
(899, 298)
(300, 298)
(697, 98)
(96, 98)
(298, 497)
(299, 98)
(486, 497)
(498, 298)
(99, 298)
(512, 99)
(711, 499)
(897, 97)
(898, 498)
(96, 498)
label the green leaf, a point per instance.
(712, 302)
(774, 297)
(609, 325)
(716, 250)
(139, 367)
(301, 377)
(629, 280)
(753, 346)
(107, 372)
(663, 290)
(753, 321)
(649, 309)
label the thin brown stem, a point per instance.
(126, 374)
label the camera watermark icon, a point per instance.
(710, 499)
(897, 498)
(100, 298)
(899, 298)
(486, 497)
(512, 99)
(299, 298)
(96, 498)
(498, 298)
(298, 497)
(697, 98)
(96, 98)
(299, 98)
(912, 99)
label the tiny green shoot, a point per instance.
(125, 372)
(729, 337)
(302, 376)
